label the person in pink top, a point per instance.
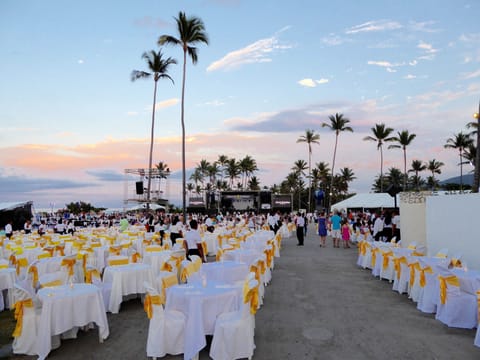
(345, 234)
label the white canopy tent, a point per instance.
(144, 207)
(366, 201)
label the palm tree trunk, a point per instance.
(461, 171)
(476, 174)
(184, 175)
(405, 177)
(152, 132)
(333, 170)
(381, 169)
(309, 177)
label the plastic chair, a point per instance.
(233, 337)
(166, 329)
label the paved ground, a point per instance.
(320, 305)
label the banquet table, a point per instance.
(247, 256)
(68, 306)
(201, 306)
(226, 272)
(156, 259)
(126, 280)
(7, 280)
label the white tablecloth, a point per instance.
(156, 259)
(227, 272)
(7, 280)
(247, 256)
(65, 307)
(201, 306)
(469, 280)
(126, 279)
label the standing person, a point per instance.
(378, 227)
(175, 229)
(306, 220)
(387, 227)
(335, 229)
(42, 228)
(322, 228)
(300, 222)
(9, 229)
(193, 241)
(396, 226)
(345, 234)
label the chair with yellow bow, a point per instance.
(57, 278)
(428, 281)
(163, 281)
(402, 275)
(477, 335)
(27, 317)
(117, 260)
(166, 329)
(92, 276)
(457, 308)
(187, 270)
(233, 337)
(442, 253)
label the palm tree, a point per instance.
(191, 31)
(222, 161)
(310, 138)
(158, 67)
(338, 123)
(403, 138)
(459, 141)
(190, 188)
(232, 170)
(163, 172)
(434, 167)
(247, 166)
(416, 167)
(254, 183)
(299, 168)
(196, 176)
(381, 134)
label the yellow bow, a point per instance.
(417, 254)
(444, 280)
(69, 263)
(136, 257)
(114, 250)
(374, 256)
(168, 281)
(167, 266)
(89, 274)
(60, 249)
(269, 256)
(478, 305)
(13, 259)
(186, 272)
(19, 305)
(52, 284)
(252, 297)
(151, 300)
(22, 262)
(422, 275)
(455, 263)
(219, 255)
(412, 267)
(255, 269)
(398, 267)
(34, 271)
(115, 262)
(386, 259)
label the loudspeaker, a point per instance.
(139, 187)
(265, 197)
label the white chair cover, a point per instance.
(166, 330)
(25, 343)
(233, 337)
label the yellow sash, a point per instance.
(168, 281)
(252, 297)
(422, 275)
(186, 272)
(52, 284)
(444, 280)
(204, 248)
(22, 262)
(386, 259)
(412, 267)
(397, 264)
(89, 274)
(219, 255)
(151, 300)
(136, 257)
(455, 263)
(69, 263)
(167, 267)
(115, 262)
(255, 269)
(374, 256)
(19, 305)
(44, 255)
(60, 249)
(34, 271)
(115, 250)
(269, 256)
(3, 266)
(478, 305)
(153, 248)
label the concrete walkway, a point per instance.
(319, 305)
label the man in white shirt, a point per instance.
(9, 229)
(378, 227)
(396, 226)
(193, 240)
(300, 222)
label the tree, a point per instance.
(310, 138)
(158, 67)
(247, 167)
(164, 171)
(476, 175)
(222, 161)
(416, 167)
(403, 138)
(254, 183)
(338, 123)
(191, 31)
(299, 169)
(434, 167)
(459, 142)
(381, 134)
(232, 171)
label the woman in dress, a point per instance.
(322, 228)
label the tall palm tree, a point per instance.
(338, 123)
(310, 138)
(232, 171)
(476, 175)
(158, 67)
(222, 161)
(254, 183)
(381, 134)
(416, 167)
(191, 31)
(403, 139)
(299, 168)
(434, 167)
(163, 172)
(459, 141)
(247, 166)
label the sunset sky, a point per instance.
(72, 121)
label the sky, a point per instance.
(71, 120)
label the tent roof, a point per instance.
(370, 200)
(6, 206)
(144, 207)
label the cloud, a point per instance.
(428, 48)
(471, 75)
(260, 51)
(409, 77)
(379, 25)
(166, 103)
(312, 83)
(132, 113)
(214, 103)
(334, 40)
(148, 21)
(389, 67)
(422, 26)
(107, 175)
(80, 61)
(24, 184)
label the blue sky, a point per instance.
(72, 121)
